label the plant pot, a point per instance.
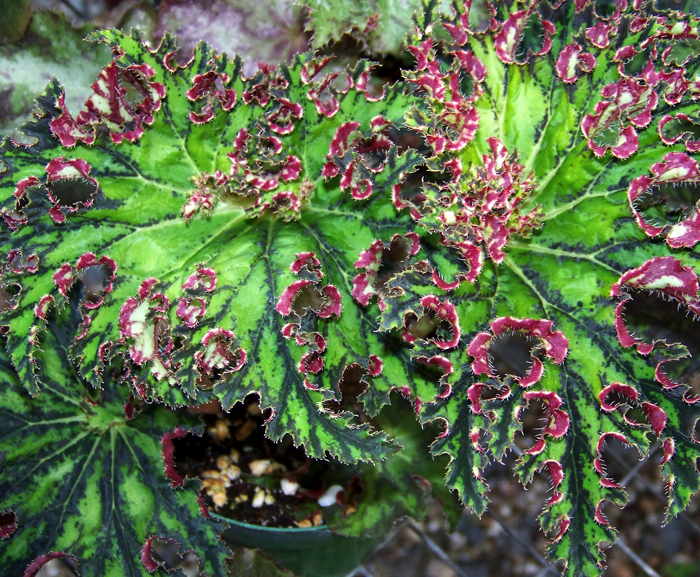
(308, 552)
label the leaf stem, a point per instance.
(517, 271)
(574, 203)
(538, 145)
(553, 172)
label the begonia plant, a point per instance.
(511, 228)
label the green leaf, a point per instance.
(147, 216)
(384, 25)
(83, 479)
(15, 20)
(404, 484)
(570, 235)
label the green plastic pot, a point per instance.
(312, 552)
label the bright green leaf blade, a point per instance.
(136, 220)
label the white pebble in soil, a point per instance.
(329, 497)
(259, 466)
(289, 487)
(258, 498)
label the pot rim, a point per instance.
(292, 530)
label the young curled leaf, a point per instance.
(65, 188)
(325, 88)
(660, 284)
(452, 120)
(124, 101)
(380, 262)
(516, 348)
(219, 354)
(91, 277)
(209, 90)
(626, 105)
(357, 156)
(680, 127)
(436, 321)
(510, 42)
(307, 296)
(477, 211)
(556, 419)
(573, 60)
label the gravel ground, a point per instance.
(506, 541)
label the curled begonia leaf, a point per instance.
(65, 187)
(661, 283)
(452, 120)
(519, 28)
(683, 128)
(540, 154)
(626, 105)
(667, 201)
(508, 335)
(194, 168)
(652, 63)
(572, 61)
(124, 100)
(379, 263)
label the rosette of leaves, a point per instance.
(535, 289)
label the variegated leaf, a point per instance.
(536, 288)
(88, 484)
